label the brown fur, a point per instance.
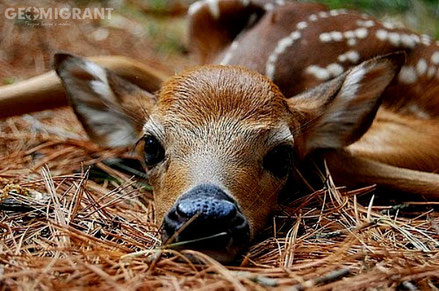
(401, 141)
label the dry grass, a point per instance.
(63, 230)
(64, 226)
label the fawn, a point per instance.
(221, 140)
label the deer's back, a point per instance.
(300, 45)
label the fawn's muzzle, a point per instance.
(207, 219)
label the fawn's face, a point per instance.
(223, 140)
(219, 141)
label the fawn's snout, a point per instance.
(208, 219)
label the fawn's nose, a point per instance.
(209, 209)
(206, 218)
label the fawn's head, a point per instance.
(220, 140)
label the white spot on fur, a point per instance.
(335, 69)
(352, 42)
(349, 34)
(313, 17)
(334, 12)
(394, 38)
(421, 67)
(318, 72)
(295, 35)
(213, 8)
(195, 7)
(282, 45)
(361, 32)
(325, 37)
(268, 6)
(352, 56)
(336, 35)
(332, 70)
(369, 23)
(280, 2)
(416, 38)
(381, 34)
(245, 2)
(323, 14)
(435, 58)
(365, 23)
(100, 34)
(342, 58)
(388, 25)
(407, 75)
(425, 39)
(408, 41)
(431, 72)
(302, 25)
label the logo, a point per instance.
(38, 13)
(31, 13)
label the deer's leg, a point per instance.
(351, 170)
(45, 91)
(401, 141)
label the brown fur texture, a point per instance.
(404, 142)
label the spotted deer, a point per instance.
(280, 82)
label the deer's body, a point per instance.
(301, 45)
(221, 141)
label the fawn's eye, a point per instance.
(154, 151)
(278, 160)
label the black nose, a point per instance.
(206, 218)
(209, 209)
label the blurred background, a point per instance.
(152, 31)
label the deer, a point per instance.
(278, 83)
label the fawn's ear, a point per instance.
(337, 113)
(111, 109)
